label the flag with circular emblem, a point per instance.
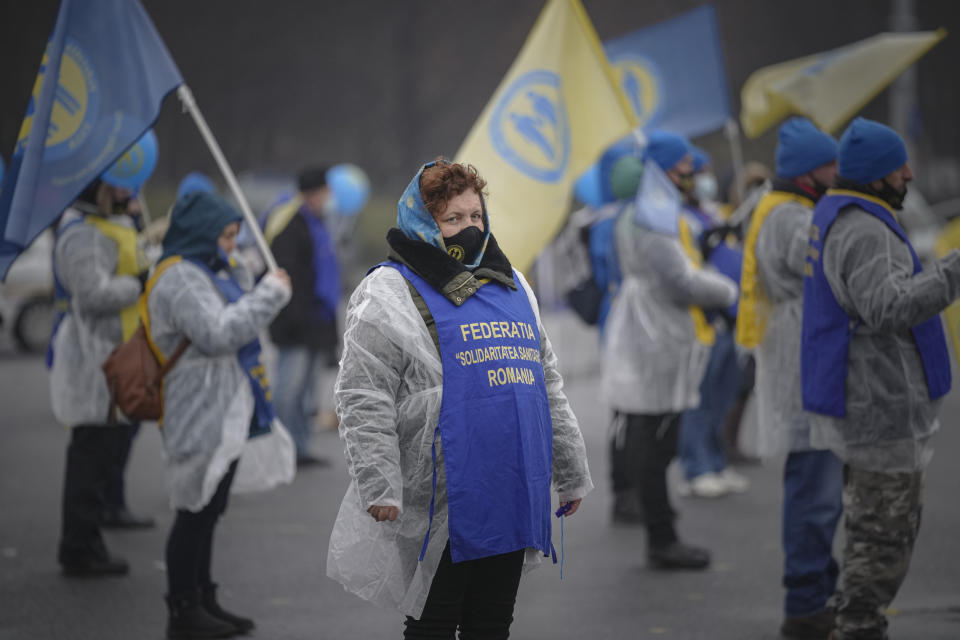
(93, 98)
(552, 116)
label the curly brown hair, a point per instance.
(446, 180)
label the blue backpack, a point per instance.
(591, 299)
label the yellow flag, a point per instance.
(552, 116)
(830, 87)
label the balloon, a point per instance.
(587, 187)
(195, 181)
(349, 188)
(135, 166)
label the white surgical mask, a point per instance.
(705, 187)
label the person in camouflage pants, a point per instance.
(874, 365)
(882, 520)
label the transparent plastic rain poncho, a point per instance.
(388, 398)
(652, 362)
(207, 401)
(781, 255)
(890, 416)
(85, 261)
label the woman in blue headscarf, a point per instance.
(215, 397)
(454, 419)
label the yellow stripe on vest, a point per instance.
(143, 309)
(702, 329)
(130, 262)
(144, 313)
(947, 240)
(754, 306)
(864, 196)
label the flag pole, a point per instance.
(190, 105)
(732, 132)
(144, 210)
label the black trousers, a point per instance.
(640, 459)
(476, 596)
(189, 554)
(623, 466)
(90, 460)
(115, 496)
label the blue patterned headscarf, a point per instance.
(416, 221)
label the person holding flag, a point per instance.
(216, 399)
(657, 338)
(454, 420)
(99, 272)
(874, 365)
(769, 321)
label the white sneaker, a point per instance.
(735, 483)
(708, 485)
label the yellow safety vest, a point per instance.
(130, 262)
(754, 304)
(703, 329)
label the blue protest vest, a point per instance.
(495, 422)
(726, 258)
(827, 328)
(249, 357)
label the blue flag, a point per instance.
(102, 79)
(673, 74)
(658, 201)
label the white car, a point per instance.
(26, 296)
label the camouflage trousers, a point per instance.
(881, 521)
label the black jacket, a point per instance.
(301, 322)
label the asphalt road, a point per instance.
(271, 548)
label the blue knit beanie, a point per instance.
(869, 151)
(802, 148)
(701, 158)
(666, 149)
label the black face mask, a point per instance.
(120, 206)
(819, 187)
(465, 245)
(892, 196)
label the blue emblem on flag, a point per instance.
(529, 127)
(678, 88)
(76, 103)
(640, 83)
(94, 97)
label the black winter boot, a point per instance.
(208, 598)
(188, 620)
